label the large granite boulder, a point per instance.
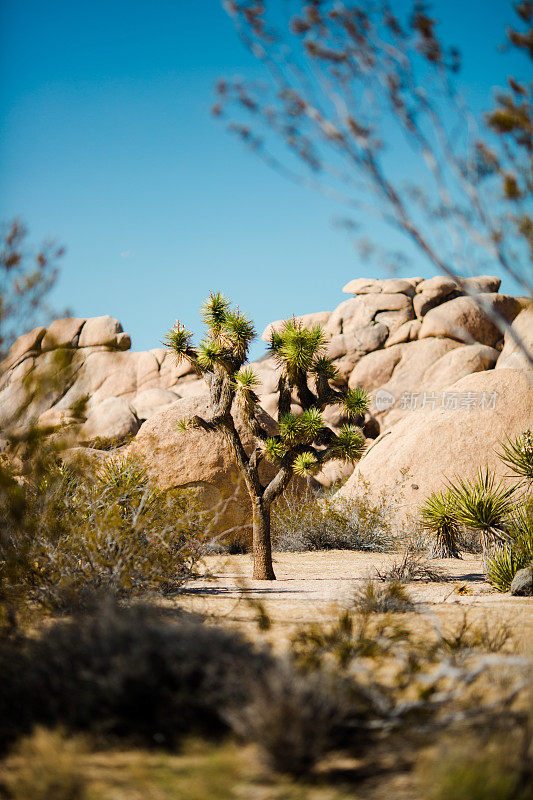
(462, 319)
(457, 437)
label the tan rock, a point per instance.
(334, 471)
(513, 355)
(113, 418)
(63, 333)
(416, 456)
(463, 320)
(433, 292)
(375, 369)
(25, 345)
(480, 283)
(106, 331)
(408, 332)
(391, 374)
(146, 403)
(363, 310)
(375, 286)
(457, 363)
(56, 418)
(308, 321)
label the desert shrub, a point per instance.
(292, 717)
(437, 515)
(382, 598)
(466, 636)
(315, 522)
(411, 567)
(502, 566)
(517, 454)
(125, 672)
(496, 515)
(110, 531)
(48, 768)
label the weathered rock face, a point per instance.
(404, 340)
(457, 436)
(463, 320)
(522, 584)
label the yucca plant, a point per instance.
(517, 454)
(502, 566)
(302, 444)
(485, 505)
(438, 516)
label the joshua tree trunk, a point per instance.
(263, 569)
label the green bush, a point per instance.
(382, 598)
(315, 522)
(70, 533)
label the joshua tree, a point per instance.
(303, 443)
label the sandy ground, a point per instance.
(315, 586)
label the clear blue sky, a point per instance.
(108, 145)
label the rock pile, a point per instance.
(422, 348)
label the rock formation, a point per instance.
(414, 344)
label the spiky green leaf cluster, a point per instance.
(306, 464)
(290, 428)
(438, 516)
(210, 353)
(237, 332)
(356, 402)
(301, 430)
(517, 454)
(322, 365)
(483, 504)
(296, 347)
(246, 379)
(178, 339)
(502, 566)
(311, 423)
(214, 311)
(521, 528)
(274, 450)
(349, 443)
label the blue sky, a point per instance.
(108, 146)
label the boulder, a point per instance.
(364, 310)
(113, 418)
(415, 457)
(63, 333)
(522, 583)
(462, 319)
(480, 284)
(399, 372)
(146, 403)
(200, 460)
(106, 331)
(308, 321)
(512, 355)
(25, 345)
(458, 363)
(387, 286)
(408, 332)
(433, 292)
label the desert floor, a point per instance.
(316, 586)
